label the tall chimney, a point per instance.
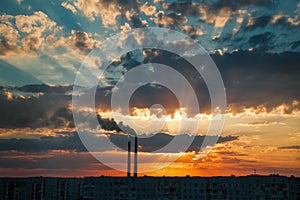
(128, 159)
(135, 155)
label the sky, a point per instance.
(255, 44)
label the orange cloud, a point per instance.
(171, 19)
(148, 9)
(108, 11)
(69, 7)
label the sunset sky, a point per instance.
(255, 45)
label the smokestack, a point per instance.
(128, 159)
(135, 155)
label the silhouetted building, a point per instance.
(158, 188)
(39, 188)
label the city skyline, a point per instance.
(254, 44)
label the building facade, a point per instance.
(148, 188)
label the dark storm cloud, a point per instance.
(64, 162)
(62, 117)
(45, 89)
(186, 8)
(82, 40)
(159, 95)
(253, 79)
(47, 110)
(266, 33)
(129, 60)
(295, 45)
(190, 74)
(21, 113)
(171, 20)
(263, 21)
(32, 43)
(44, 144)
(127, 5)
(193, 9)
(193, 31)
(159, 140)
(235, 5)
(262, 42)
(8, 39)
(71, 140)
(166, 96)
(33, 111)
(136, 22)
(73, 143)
(259, 22)
(242, 22)
(290, 147)
(6, 46)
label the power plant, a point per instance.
(128, 159)
(135, 156)
(135, 164)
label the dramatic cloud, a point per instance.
(235, 5)
(185, 8)
(108, 11)
(34, 164)
(69, 7)
(290, 147)
(148, 9)
(241, 71)
(44, 144)
(217, 19)
(73, 143)
(8, 39)
(33, 111)
(78, 43)
(169, 20)
(30, 30)
(160, 140)
(37, 23)
(192, 31)
(247, 85)
(216, 14)
(82, 40)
